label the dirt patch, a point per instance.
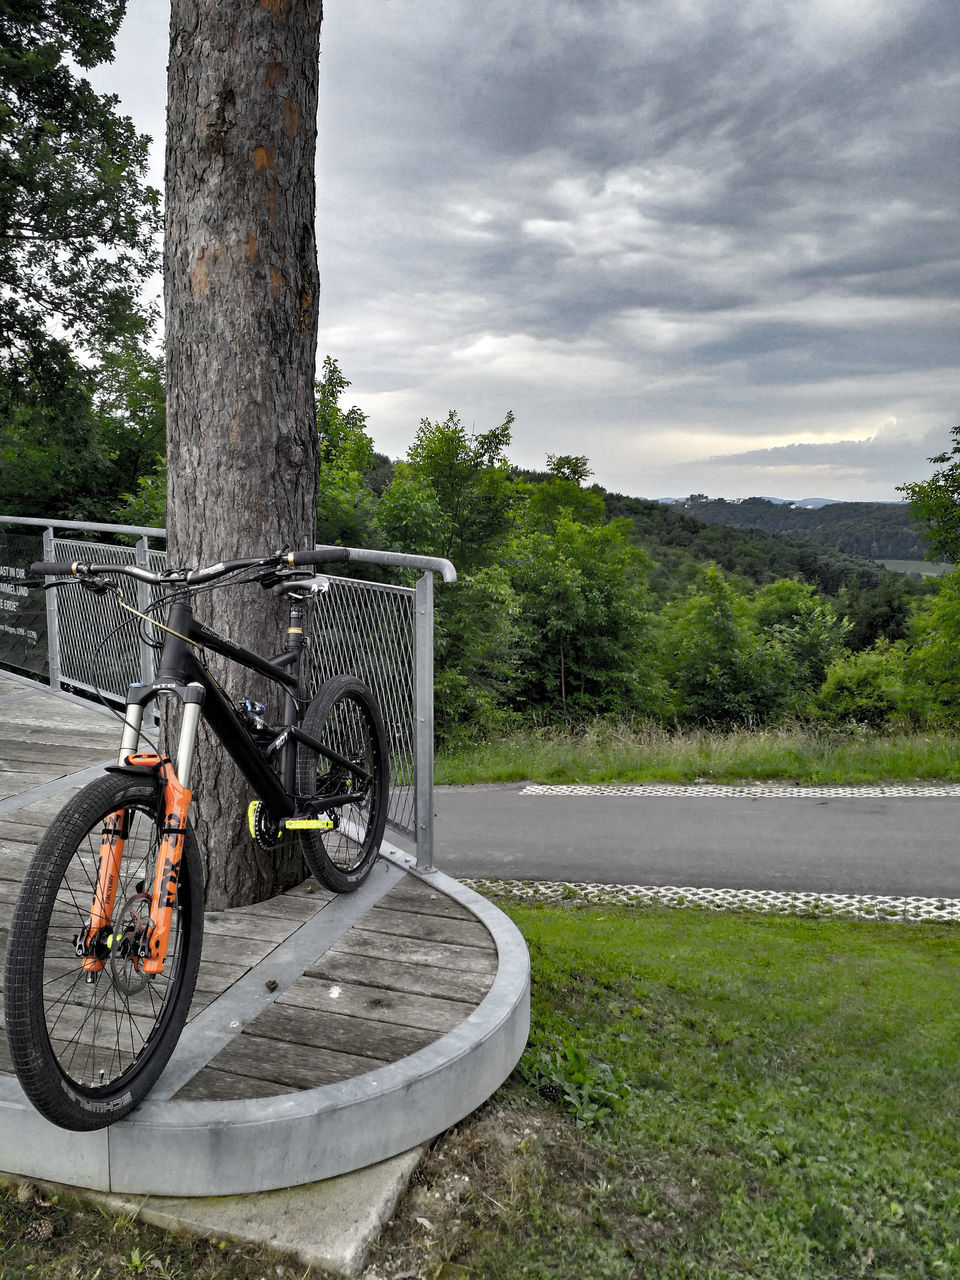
(476, 1179)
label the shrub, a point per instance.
(865, 688)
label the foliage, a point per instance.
(933, 668)
(77, 226)
(864, 688)
(346, 505)
(591, 1092)
(128, 402)
(675, 536)
(409, 515)
(73, 438)
(805, 625)
(720, 671)
(147, 505)
(879, 612)
(584, 622)
(472, 484)
(476, 653)
(935, 503)
(559, 495)
(49, 454)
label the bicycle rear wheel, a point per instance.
(87, 1047)
(344, 717)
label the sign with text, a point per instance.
(23, 610)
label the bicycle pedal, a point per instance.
(309, 824)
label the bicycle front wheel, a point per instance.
(345, 719)
(87, 1046)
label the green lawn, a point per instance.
(784, 1100)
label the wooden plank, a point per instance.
(217, 977)
(246, 924)
(15, 831)
(11, 783)
(292, 908)
(341, 1032)
(301, 1066)
(32, 755)
(68, 738)
(468, 933)
(413, 895)
(212, 1085)
(42, 812)
(226, 950)
(445, 955)
(394, 975)
(375, 1004)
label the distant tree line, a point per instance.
(875, 530)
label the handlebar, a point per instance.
(279, 559)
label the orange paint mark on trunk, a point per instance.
(276, 7)
(263, 158)
(291, 117)
(200, 275)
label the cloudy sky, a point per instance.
(712, 244)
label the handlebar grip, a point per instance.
(52, 568)
(319, 555)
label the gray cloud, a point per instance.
(658, 230)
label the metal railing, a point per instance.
(381, 633)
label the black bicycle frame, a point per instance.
(182, 676)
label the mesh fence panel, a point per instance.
(368, 629)
(96, 651)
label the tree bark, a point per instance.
(241, 285)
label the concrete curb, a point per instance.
(222, 1148)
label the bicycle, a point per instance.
(105, 939)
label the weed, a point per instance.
(590, 1092)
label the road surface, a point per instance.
(897, 845)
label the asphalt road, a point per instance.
(902, 846)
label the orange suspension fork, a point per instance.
(176, 806)
(108, 877)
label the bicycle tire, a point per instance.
(344, 717)
(87, 1053)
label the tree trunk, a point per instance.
(241, 284)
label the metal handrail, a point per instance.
(143, 531)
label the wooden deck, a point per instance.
(303, 991)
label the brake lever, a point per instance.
(315, 585)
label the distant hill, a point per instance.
(874, 530)
(675, 537)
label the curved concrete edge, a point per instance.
(215, 1148)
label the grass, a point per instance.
(785, 1101)
(55, 1236)
(620, 753)
(704, 1097)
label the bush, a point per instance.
(864, 688)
